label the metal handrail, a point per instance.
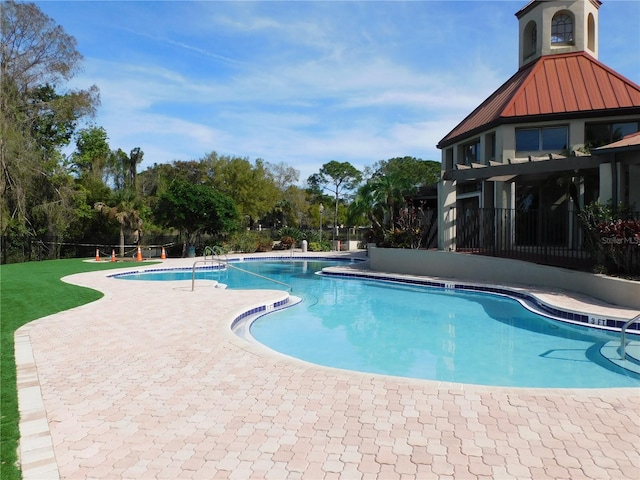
(623, 344)
(193, 271)
(215, 250)
(228, 265)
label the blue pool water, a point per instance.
(420, 332)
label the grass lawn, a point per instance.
(29, 291)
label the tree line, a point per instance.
(49, 198)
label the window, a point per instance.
(599, 134)
(533, 39)
(527, 140)
(562, 29)
(591, 33)
(448, 159)
(554, 138)
(471, 152)
(530, 44)
(490, 146)
(541, 139)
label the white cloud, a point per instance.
(299, 82)
(304, 117)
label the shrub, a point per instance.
(612, 237)
(246, 242)
(264, 244)
(312, 236)
(319, 247)
(292, 232)
(287, 242)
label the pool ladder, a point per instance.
(623, 344)
(215, 252)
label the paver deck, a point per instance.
(150, 382)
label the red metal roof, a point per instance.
(570, 83)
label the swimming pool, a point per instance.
(419, 331)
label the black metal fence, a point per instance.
(550, 237)
(27, 248)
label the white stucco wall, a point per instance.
(446, 215)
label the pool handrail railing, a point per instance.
(623, 344)
(226, 263)
(213, 251)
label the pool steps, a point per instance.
(222, 264)
(611, 351)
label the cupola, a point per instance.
(558, 26)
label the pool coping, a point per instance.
(36, 450)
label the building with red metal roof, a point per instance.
(552, 138)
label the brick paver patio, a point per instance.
(149, 382)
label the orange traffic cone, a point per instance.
(113, 255)
(139, 255)
(163, 255)
(97, 254)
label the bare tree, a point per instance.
(36, 56)
(282, 174)
(35, 51)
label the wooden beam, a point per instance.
(526, 168)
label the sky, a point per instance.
(303, 82)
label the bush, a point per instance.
(612, 237)
(249, 242)
(291, 232)
(319, 247)
(264, 244)
(312, 236)
(287, 242)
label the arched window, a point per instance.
(530, 39)
(562, 29)
(591, 33)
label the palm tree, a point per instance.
(378, 199)
(366, 204)
(125, 213)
